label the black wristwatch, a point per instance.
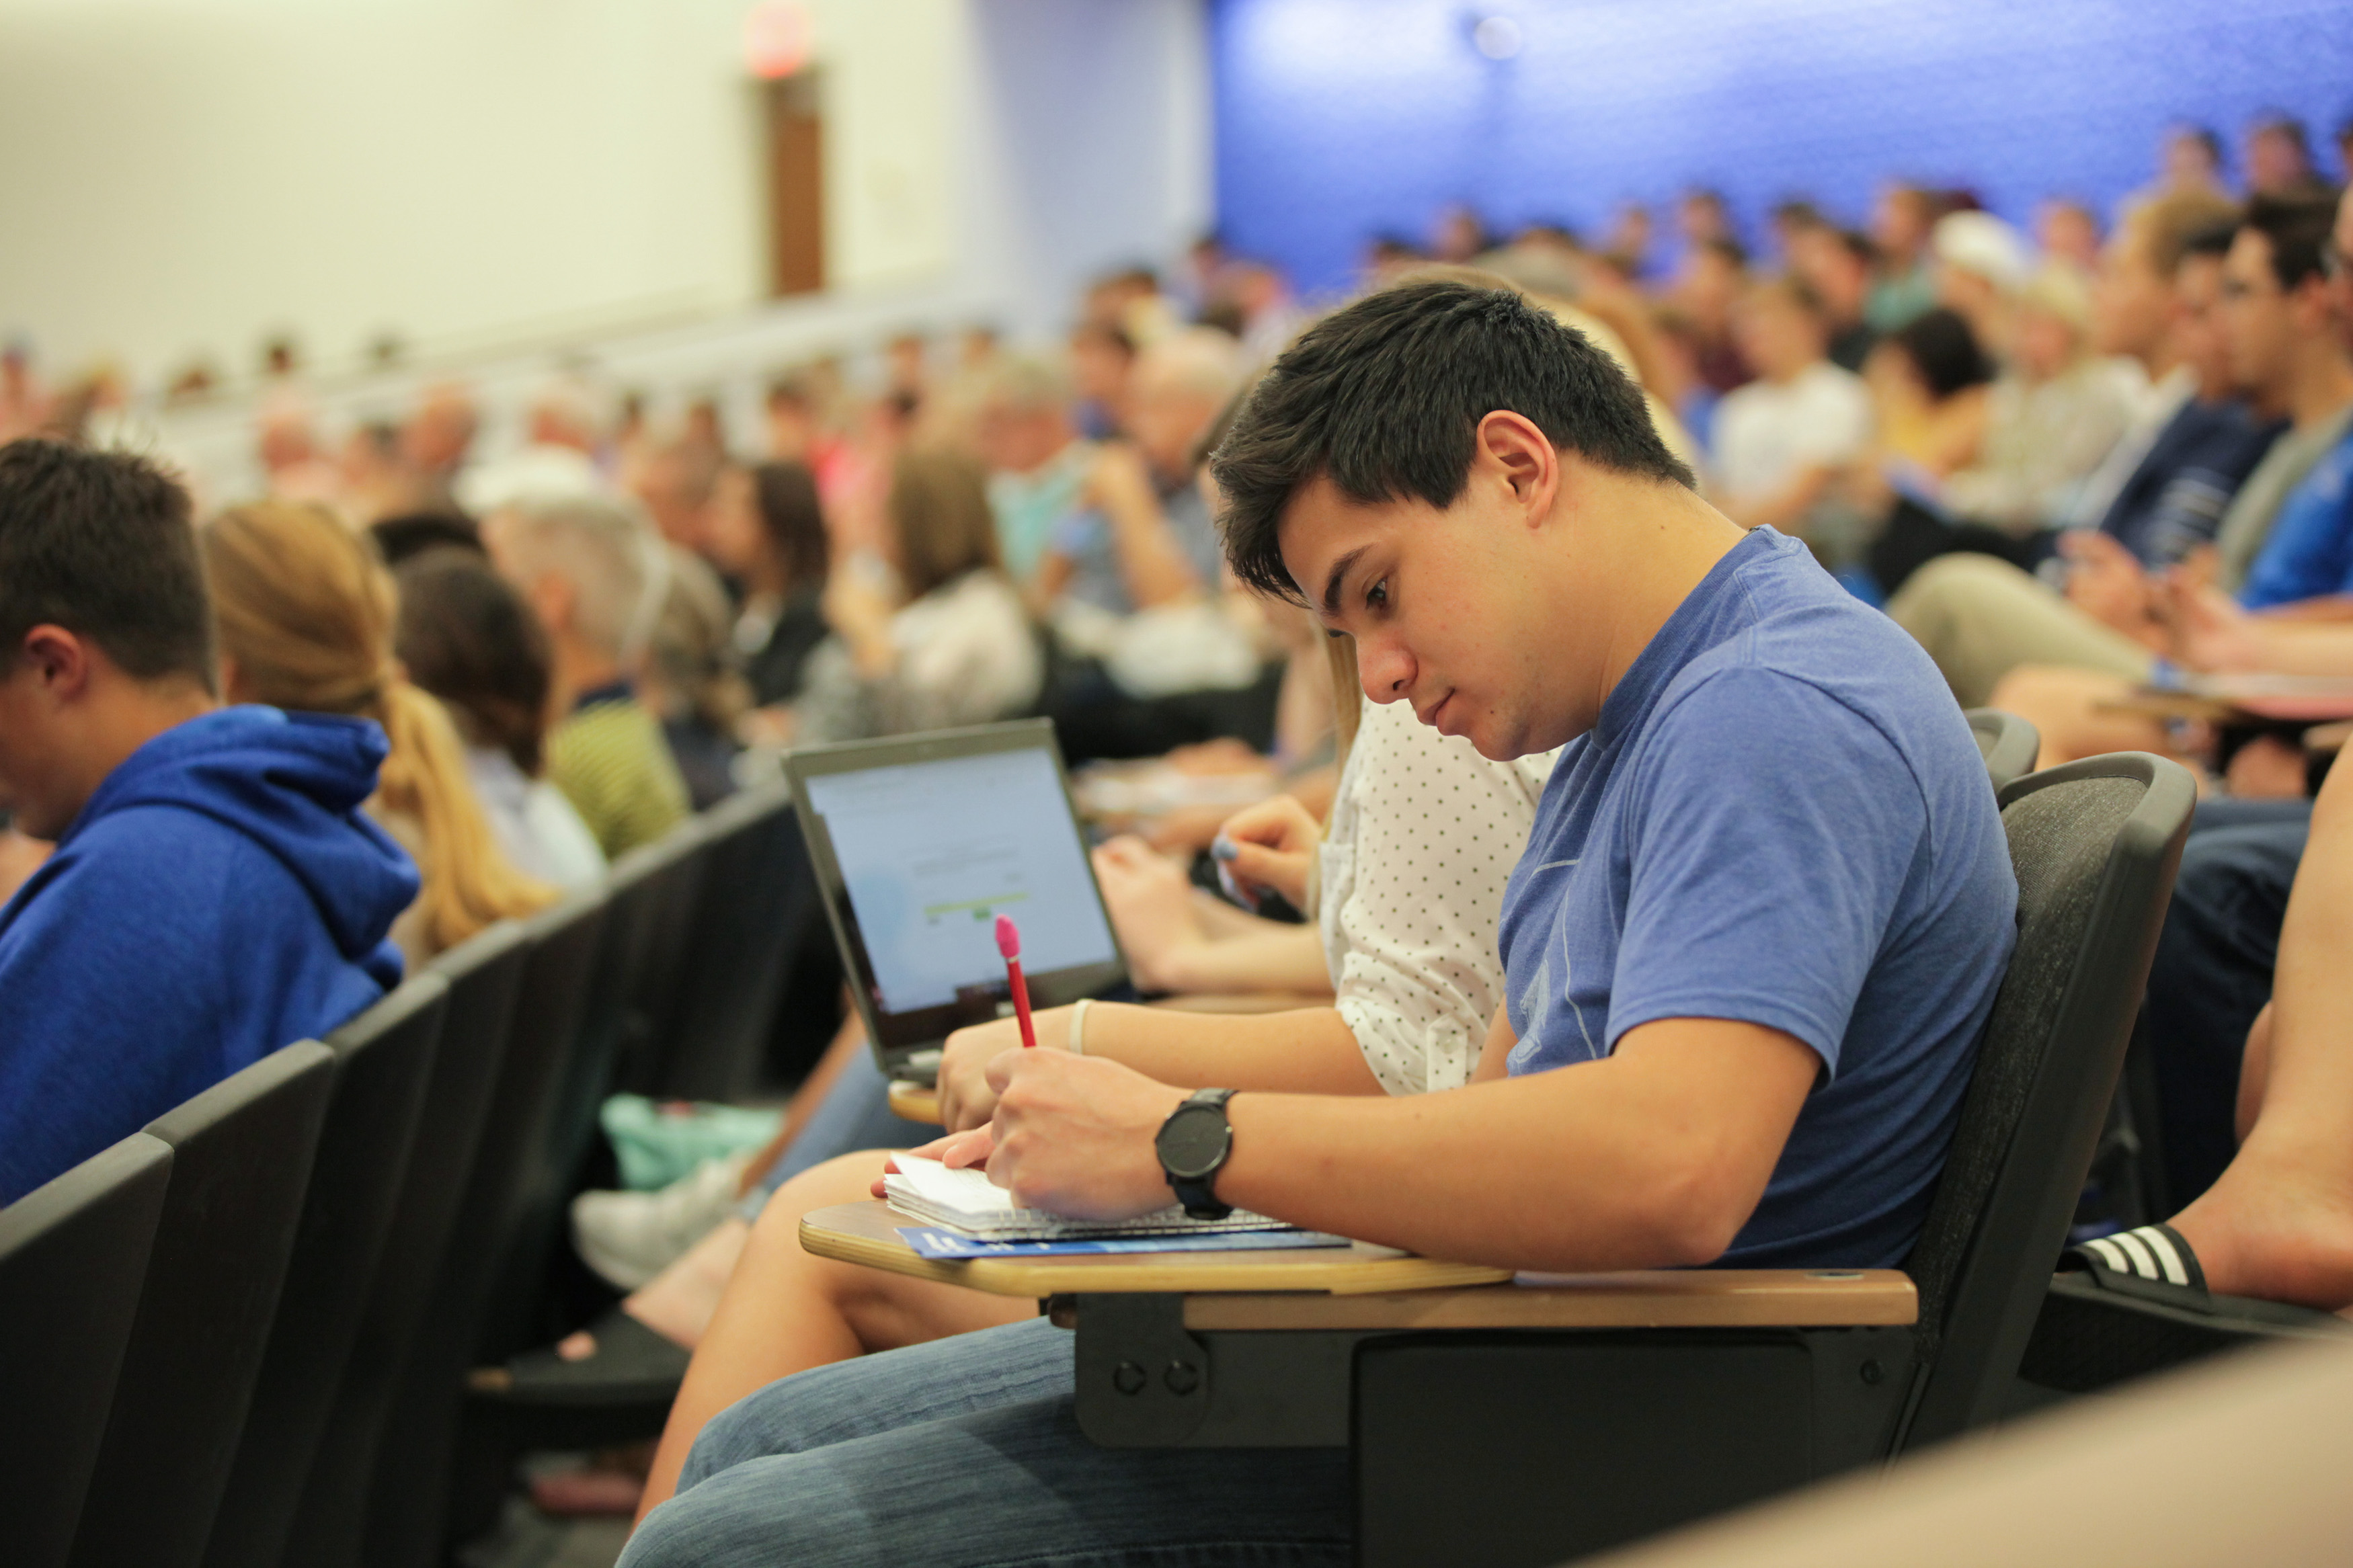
(1193, 1144)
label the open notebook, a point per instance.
(964, 1200)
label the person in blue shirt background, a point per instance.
(1759, 929)
(215, 893)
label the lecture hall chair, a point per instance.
(1523, 1422)
(483, 976)
(73, 1255)
(655, 889)
(408, 1488)
(382, 1062)
(2008, 744)
(758, 899)
(241, 1155)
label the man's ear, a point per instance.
(1524, 456)
(59, 660)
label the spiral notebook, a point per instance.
(966, 1202)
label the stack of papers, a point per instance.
(966, 1202)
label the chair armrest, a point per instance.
(914, 1101)
(1648, 1298)
(867, 1233)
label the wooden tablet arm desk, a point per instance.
(1262, 1349)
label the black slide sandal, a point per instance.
(2126, 1306)
(2145, 1255)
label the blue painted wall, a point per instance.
(1336, 119)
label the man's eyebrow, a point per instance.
(1339, 572)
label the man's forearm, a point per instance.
(1595, 1166)
(2306, 647)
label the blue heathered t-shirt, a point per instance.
(1780, 818)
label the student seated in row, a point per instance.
(216, 890)
(1748, 951)
(1412, 873)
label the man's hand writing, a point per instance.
(1073, 1135)
(957, 1152)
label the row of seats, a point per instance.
(240, 1337)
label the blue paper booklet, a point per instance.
(932, 1242)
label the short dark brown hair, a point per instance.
(100, 542)
(1385, 398)
(2297, 228)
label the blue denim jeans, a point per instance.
(2214, 974)
(855, 1114)
(966, 1451)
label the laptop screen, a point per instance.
(921, 856)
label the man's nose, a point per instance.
(1384, 669)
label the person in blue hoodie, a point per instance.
(215, 893)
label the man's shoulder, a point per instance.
(1810, 656)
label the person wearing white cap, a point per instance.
(1982, 264)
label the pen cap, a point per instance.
(1008, 938)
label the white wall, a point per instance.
(184, 177)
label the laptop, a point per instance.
(919, 844)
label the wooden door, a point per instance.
(795, 148)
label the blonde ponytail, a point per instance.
(306, 615)
(469, 885)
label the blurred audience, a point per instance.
(1781, 440)
(465, 635)
(596, 574)
(948, 644)
(767, 533)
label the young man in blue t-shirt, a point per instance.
(1758, 928)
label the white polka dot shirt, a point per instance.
(1424, 832)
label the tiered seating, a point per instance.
(345, 1229)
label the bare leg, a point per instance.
(2255, 1074)
(2279, 1222)
(2062, 706)
(848, 1042)
(678, 1302)
(786, 1310)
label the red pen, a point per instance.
(1008, 943)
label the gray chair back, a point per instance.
(500, 1213)
(2096, 844)
(241, 1154)
(383, 1059)
(482, 976)
(758, 899)
(73, 1255)
(2008, 744)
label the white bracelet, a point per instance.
(1078, 1038)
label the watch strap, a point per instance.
(1197, 1193)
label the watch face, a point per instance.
(1194, 1141)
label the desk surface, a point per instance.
(914, 1101)
(867, 1233)
(1377, 1289)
